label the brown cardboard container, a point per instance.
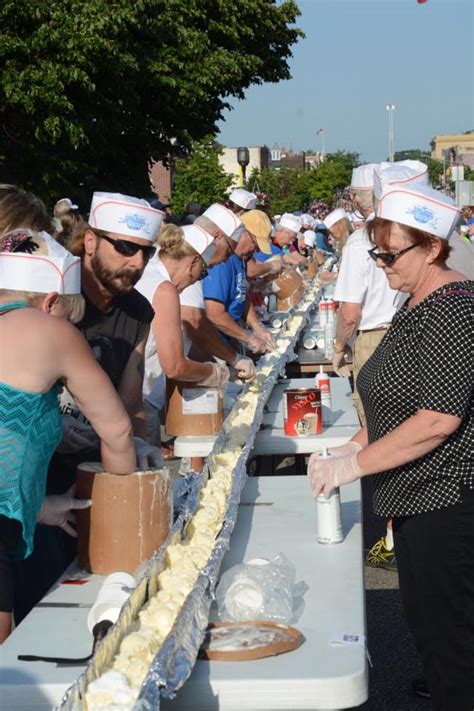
(290, 301)
(312, 269)
(129, 519)
(287, 283)
(193, 410)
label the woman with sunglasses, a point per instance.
(183, 258)
(418, 444)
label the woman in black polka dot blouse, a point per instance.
(419, 440)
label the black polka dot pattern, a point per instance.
(425, 362)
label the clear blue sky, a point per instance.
(359, 55)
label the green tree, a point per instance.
(200, 178)
(91, 91)
(292, 189)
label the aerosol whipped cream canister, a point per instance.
(323, 312)
(328, 511)
(331, 308)
(323, 382)
(302, 412)
(329, 333)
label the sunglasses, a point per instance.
(129, 249)
(204, 269)
(389, 258)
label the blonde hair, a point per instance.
(346, 230)
(172, 243)
(364, 200)
(19, 208)
(74, 304)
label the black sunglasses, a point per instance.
(204, 269)
(389, 258)
(129, 249)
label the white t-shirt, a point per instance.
(193, 296)
(360, 281)
(154, 380)
(461, 257)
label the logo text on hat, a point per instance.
(136, 222)
(423, 214)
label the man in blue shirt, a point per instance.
(227, 301)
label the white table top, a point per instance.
(271, 439)
(278, 515)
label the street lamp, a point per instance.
(243, 159)
(391, 141)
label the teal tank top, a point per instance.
(30, 431)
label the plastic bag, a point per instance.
(260, 589)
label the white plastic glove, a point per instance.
(266, 337)
(148, 456)
(339, 363)
(276, 266)
(219, 377)
(245, 368)
(345, 450)
(58, 510)
(256, 345)
(77, 436)
(325, 474)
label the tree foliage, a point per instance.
(292, 189)
(91, 91)
(200, 178)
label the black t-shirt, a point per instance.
(424, 362)
(112, 335)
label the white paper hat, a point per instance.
(225, 220)
(244, 199)
(306, 219)
(57, 270)
(402, 172)
(419, 206)
(334, 216)
(200, 240)
(290, 222)
(363, 177)
(125, 215)
(309, 238)
(69, 203)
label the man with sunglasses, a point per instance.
(115, 247)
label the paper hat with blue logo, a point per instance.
(403, 172)
(290, 222)
(225, 220)
(334, 216)
(200, 240)
(243, 198)
(309, 238)
(125, 215)
(363, 177)
(44, 268)
(421, 207)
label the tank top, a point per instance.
(154, 275)
(30, 431)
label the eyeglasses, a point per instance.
(388, 258)
(129, 249)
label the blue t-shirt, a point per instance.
(262, 257)
(227, 283)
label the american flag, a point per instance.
(319, 131)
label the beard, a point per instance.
(116, 282)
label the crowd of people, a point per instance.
(98, 313)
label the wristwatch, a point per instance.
(338, 346)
